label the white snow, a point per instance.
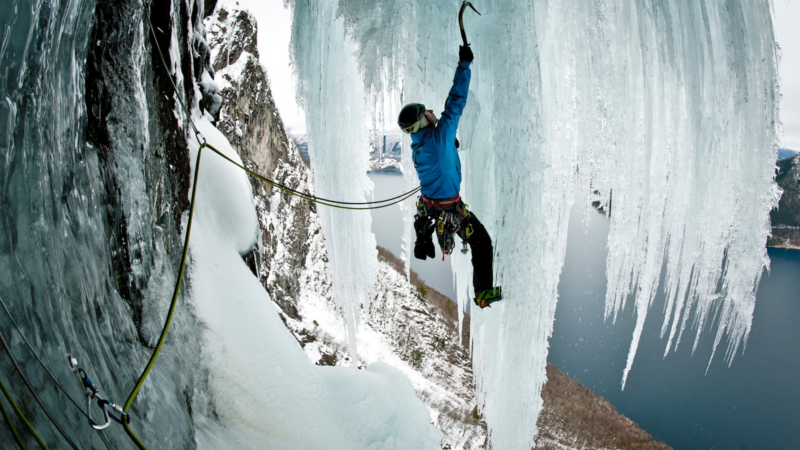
(233, 71)
(264, 391)
(667, 109)
(436, 379)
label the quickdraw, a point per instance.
(447, 226)
(421, 209)
(468, 230)
(93, 393)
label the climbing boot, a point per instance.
(486, 297)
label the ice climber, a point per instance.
(435, 155)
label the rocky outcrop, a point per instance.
(786, 217)
(421, 327)
(233, 33)
(249, 119)
(125, 131)
(96, 174)
(575, 417)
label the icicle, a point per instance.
(331, 92)
(669, 110)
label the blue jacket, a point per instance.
(434, 148)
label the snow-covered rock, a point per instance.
(250, 121)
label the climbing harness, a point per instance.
(440, 203)
(461, 20)
(452, 213)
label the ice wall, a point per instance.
(92, 183)
(668, 108)
(331, 93)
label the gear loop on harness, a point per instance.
(452, 213)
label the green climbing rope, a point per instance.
(11, 427)
(21, 415)
(204, 144)
(36, 396)
(47, 370)
(172, 305)
(311, 198)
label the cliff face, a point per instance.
(786, 218)
(249, 119)
(96, 174)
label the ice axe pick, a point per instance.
(461, 20)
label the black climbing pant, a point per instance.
(470, 230)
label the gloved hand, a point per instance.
(465, 53)
(423, 247)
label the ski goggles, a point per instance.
(419, 109)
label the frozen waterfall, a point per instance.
(337, 142)
(666, 109)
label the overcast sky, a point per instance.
(274, 28)
(787, 30)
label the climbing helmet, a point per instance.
(410, 117)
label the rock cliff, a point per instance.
(249, 119)
(786, 217)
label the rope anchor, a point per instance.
(93, 393)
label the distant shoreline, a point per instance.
(785, 246)
(387, 170)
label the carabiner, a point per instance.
(91, 392)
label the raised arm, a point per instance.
(456, 99)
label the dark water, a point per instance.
(754, 404)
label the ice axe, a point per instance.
(461, 20)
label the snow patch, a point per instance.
(265, 391)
